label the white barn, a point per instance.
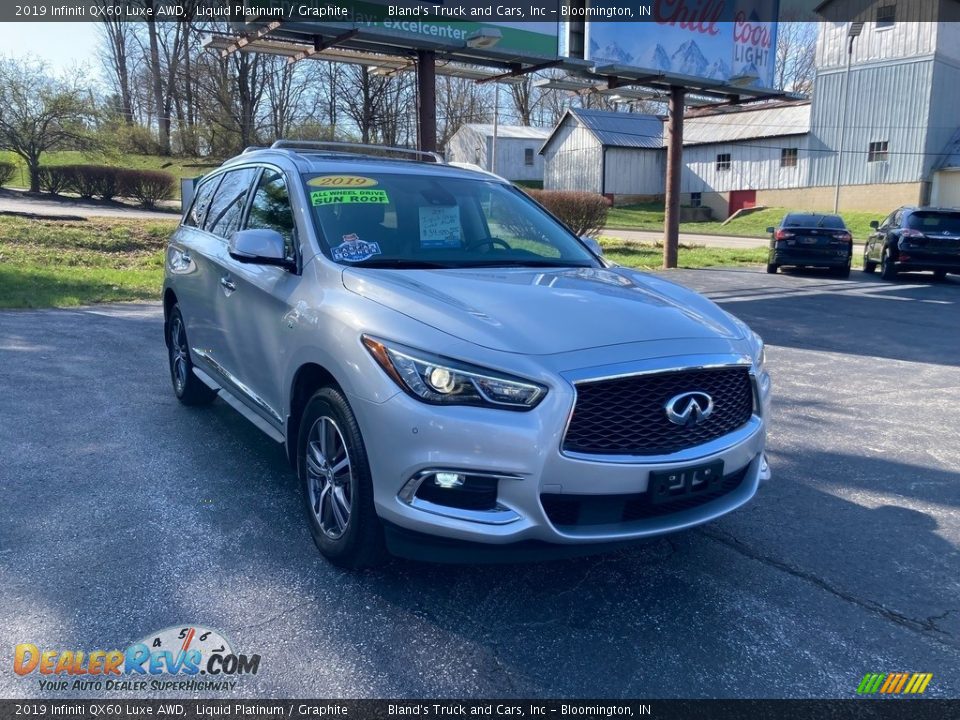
(518, 149)
(617, 154)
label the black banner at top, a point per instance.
(692, 14)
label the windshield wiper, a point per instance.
(522, 263)
(400, 263)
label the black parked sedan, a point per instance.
(811, 240)
(914, 238)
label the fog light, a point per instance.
(448, 479)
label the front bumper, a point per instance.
(405, 437)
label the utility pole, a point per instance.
(671, 220)
(852, 33)
(496, 126)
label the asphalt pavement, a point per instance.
(124, 512)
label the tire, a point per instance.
(939, 275)
(338, 503)
(843, 273)
(868, 266)
(887, 269)
(189, 389)
(772, 268)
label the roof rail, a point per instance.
(358, 149)
(251, 148)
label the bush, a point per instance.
(96, 181)
(7, 171)
(148, 186)
(583, 212)
(55, 179)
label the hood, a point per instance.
(537, 312)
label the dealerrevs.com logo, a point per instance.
(183, 658)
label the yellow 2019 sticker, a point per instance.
(333, 197)
(341, 181)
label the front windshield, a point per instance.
(427, 221)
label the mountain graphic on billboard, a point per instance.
(688, 60)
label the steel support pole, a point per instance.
(427, 93)
(671, 220)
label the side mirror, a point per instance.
(874, 224)
(592, 243)
(260, 246)
(771, 230)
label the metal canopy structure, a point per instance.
(480, 56)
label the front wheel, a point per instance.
(337, 484)
(189, 389)
(888, 270)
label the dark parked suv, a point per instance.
(914, 238)
(810, 240)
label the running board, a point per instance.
(238, 405)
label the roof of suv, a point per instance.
(309, 160)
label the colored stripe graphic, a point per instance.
(894, 683)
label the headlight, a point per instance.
(759, 353)
(443, 381)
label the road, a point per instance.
(124, 513)
(14, 202)
(650, 236)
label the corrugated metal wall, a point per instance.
(469, 146)
(572, 159)
(754, 165)
(632, 171)
(902, 40)
(885, 102)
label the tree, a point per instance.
(796, 56)
(39, 113)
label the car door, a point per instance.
(259, 311)
(193, 269)
(223, 218)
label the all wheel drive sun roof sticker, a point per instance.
(349, 190)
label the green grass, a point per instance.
(53, 263)
(649, 256)
(650, 217)
(178, 167)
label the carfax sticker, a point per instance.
(333, 197)
(341, 181)
(353, 249)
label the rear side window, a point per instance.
(935, 222)
(270, 209)
(226, 208)
(833, 222)
(201, 202)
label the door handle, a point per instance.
(227, 283)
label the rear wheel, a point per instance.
(189, 389)
(772, 268)
(887, 269)
(842, 272)
(336, 483)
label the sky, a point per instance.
(61, 45)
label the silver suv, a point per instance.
(453, 372)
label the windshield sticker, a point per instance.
(341, 181)
(333, 197)
(440, 226)
(353, 249)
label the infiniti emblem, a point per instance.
(689, 408)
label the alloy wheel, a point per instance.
(329, 477)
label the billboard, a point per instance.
(732, 44)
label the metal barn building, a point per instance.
(615, 154)
(518, 146)
(897, 101)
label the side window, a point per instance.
(897, 218)
(226, 208)
(201, 202)
(270, 208)
(888, 221)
